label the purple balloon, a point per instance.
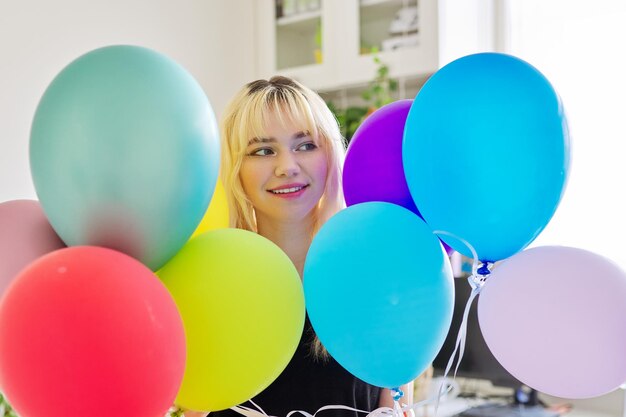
(555, 318)
(373, 169)
(25, 235)
(447, 248)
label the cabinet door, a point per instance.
(296, 39)
(403, 33)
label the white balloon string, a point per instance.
(476, 280)
(246, 411)
(257, 406)
(397, 409)
(379, 412)
(467, 245)
(397, 394)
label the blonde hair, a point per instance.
(246, 117)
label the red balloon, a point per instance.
(90, 331)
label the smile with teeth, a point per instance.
(287, 190)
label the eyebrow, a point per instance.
(298, 135)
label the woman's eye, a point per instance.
(262, 152)
(308, 146)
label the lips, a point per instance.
(288, 189)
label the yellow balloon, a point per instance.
(242, 305)
(216, 216)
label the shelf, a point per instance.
(408, 88)
(299, 18)
(378, 8)
(369, 3)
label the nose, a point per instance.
(287, 165)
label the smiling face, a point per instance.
(284, 171)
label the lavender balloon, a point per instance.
(373, 168)
(555, 318)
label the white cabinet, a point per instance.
(404, 32)
(295, 44)
(327, 44)
(329, 48)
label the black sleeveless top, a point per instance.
(309, 383)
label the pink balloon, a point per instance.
(25, 236)
(555, 318)
(90, 331)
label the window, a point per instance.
(579, 46)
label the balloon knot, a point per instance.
(397, 393)
(484, 269)
(478, 279)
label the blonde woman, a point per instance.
(282, 155)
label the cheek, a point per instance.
(248, 175)
(320, 168)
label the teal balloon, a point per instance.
(379, 292)
(124, 153)
(486, 153)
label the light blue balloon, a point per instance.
(379, 292)
(486, 153)
(124, 153)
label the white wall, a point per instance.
(212, 39)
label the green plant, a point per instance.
(175, 412)
(378, 93)
(5, 408)
(349, 119)
(380, 89)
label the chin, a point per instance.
(296, 215)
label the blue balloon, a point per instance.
(486, 153)
(124, 153)
(379, 292)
